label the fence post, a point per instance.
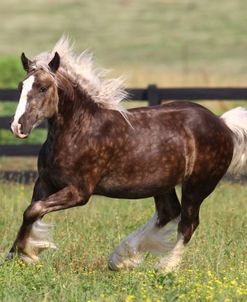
(153, 95)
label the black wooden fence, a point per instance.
(151, 94)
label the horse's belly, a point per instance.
(131, 193)
(140, 186)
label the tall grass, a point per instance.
(214, 267)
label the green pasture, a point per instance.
(214, 267)
(165, 42)
(169, 43)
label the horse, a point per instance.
(95, 146)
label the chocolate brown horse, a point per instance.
(94, 146)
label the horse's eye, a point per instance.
(43, 89)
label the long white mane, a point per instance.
(108, 93)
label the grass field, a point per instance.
(169, 43)
(214, 267)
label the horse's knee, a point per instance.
(33, 212)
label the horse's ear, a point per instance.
(25, 62)
(55, 62)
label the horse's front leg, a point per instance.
(33, 236)
(42, 189)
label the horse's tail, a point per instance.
(236, 120)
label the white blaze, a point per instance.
(21, 108)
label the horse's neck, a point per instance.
(74, 101)
(52, 127)
(72, 109)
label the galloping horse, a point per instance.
(95, 146)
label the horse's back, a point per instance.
(177, 116)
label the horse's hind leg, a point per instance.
(154, 236)
(167, 207)
(193, 195)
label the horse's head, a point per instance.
(39, 96)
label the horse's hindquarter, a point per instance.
(213, 145)
(167, 145)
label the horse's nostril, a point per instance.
(21, 129)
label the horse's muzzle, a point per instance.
(16, 129)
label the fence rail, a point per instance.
(151, 94)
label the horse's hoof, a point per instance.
(29, 259)
(112, 263)
(116, 262)
(10, 256)
(112, 266)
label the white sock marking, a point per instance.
(38, 240)
(172, 261)
(148, 238)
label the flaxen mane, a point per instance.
(107, 93)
